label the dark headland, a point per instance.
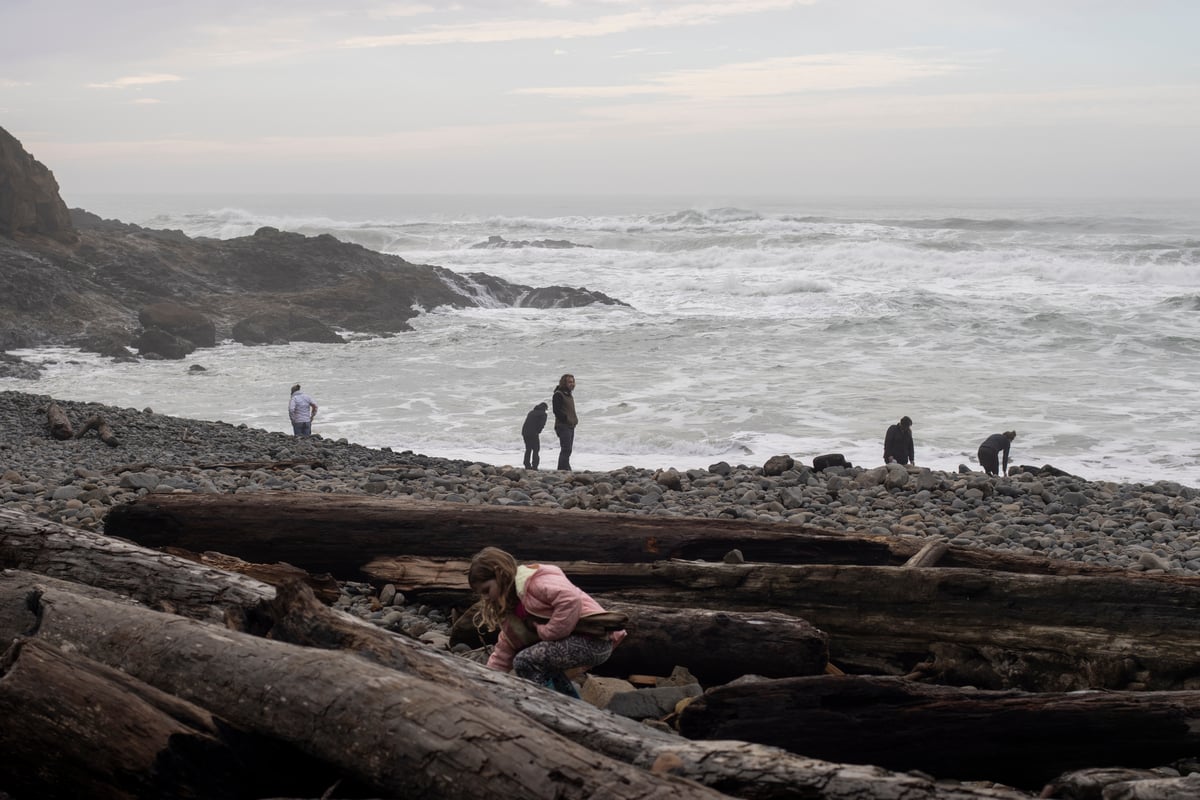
(68, 277)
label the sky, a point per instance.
(809, 98)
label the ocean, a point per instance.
(755, 327)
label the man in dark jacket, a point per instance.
(535, 422)
(898, 443)
(991, 448)
(565, 419)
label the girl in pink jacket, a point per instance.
(535, 607)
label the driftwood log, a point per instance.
(1018, 738)
(338, 534)
(60, 424)
(70, 726)
(1123, 784)
(715, 646)
(961, 626)
(323, 586)
(156, 579)
(98, 424)
(743, 769)
(391, 731)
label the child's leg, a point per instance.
(542, 661)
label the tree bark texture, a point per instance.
(156, 579)
(746, 770)
(70, 726)
(715, 646)
(338, 534)
(1017, 738)
(278, 574)
(391, 731)
(988, 629)
(960, 626)
(739, 768)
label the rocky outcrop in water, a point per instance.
(79, 280)
(495, 241)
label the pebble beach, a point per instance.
(1143, 527)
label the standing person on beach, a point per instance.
(565, 419)
(537, 609)
(535, 422)
(991, 448)
(898, 443)
(301, 410)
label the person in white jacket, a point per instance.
(301, 410)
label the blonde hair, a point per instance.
(492, 563)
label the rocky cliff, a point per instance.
(74, 278)
(29, 199)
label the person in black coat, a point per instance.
(990, 450)
(898, 443)
(535, 422)
(565, 419)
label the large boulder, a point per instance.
(280, 327)
(181, 321)
(30, 204)
(157, 343)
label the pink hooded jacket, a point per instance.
(548, 593)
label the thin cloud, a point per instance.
(1128, 107)
(136, 80)
(400, 10)
(525, 29)
(5, 83)
(773, 77)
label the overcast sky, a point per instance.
(1008, 98)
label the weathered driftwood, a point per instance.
(754, 771)
(982, 628)
(97, 423)
(742, 769)
(393, 732)
(960, 626)
(1093, 782)
(156, 579)
(747, 770)
(60, 424)
(715, 646)
(323, 586)
(339, 534)
(71, 727)
(929, 555)
(1017, 738)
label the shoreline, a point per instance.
(1143, 527)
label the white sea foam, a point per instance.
(754, 328)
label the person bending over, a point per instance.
(990, 450)
(898, 443)
(536, 608)
(535, 422)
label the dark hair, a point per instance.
(906, 422)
